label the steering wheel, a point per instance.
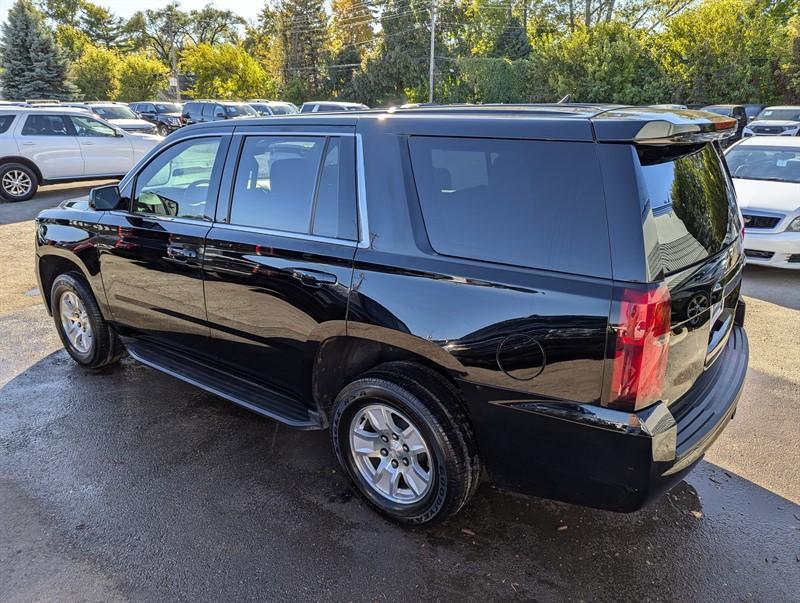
(195, 186)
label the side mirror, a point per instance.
(118, 133)
(105, 198)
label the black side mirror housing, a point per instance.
(106, 198)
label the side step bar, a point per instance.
(255, 397)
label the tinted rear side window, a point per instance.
(529, 203)
(692, 202)
(5, 122)
(45, 125)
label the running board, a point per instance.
(255, 397)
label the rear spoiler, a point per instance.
(644, 125)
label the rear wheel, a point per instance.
(18, 182)
(404, 439)
(80, 325)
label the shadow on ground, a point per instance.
(167, 492)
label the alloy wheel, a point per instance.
(75, 321)
(16, 183)
(391, 454)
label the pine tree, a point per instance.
(512, 43)
(33, 66)
(101, 26)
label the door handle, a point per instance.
(179, 252)
(87, 144)
(313, 278)
(28, 144)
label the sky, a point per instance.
(248, 9)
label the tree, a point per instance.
(211, 25)
(141, 77)
(225, 71)
(162, 31)
(351, 25)
(96, 74)
(610, 62)
(62, 12)
(512, 42)
(722, 51)
(300, 44)
(71, 40)
(33, 66)
(101, 26)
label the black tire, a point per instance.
(163, 130)
(105, 348)
(13, 180)
(432, 405)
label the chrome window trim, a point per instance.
(287, 234)
(157, 218)
(361, 188)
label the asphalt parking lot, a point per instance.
(131, 485)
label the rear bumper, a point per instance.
(590, 455)
(779, 250)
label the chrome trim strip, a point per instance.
(289, 235)
(330, 134)
(158, 218)
(361, 193)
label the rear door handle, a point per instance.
(87, 144)
(28, 144)
(313, 278)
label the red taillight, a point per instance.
(640, 345)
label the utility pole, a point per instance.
(433, 47)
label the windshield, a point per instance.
(780, 114)
(765, 163)
(239, 110)
(261, 108)
(168, 108)
(114, 112)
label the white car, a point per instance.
(55, 144)
(775, 121)
(122, 116)
(766, 175)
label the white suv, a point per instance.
(51, 144)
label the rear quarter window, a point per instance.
(688, 191)
(5, 122)
(536, 204)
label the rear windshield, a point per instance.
(692, 201)
(765, 163)
(529, 203)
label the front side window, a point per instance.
(297, 184)
(88, 127)
(528, 203)
(177, 182)
(45, 125)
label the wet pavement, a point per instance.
(130, 485)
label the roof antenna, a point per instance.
(565, 100)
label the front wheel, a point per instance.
(403, 437)
(80, 325)
(18, 182)
(163, 130)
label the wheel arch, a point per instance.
(24, 161)
(50, 266)
(341, 358)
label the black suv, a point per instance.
(201, 111)
(165, 116)
(545, 295)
